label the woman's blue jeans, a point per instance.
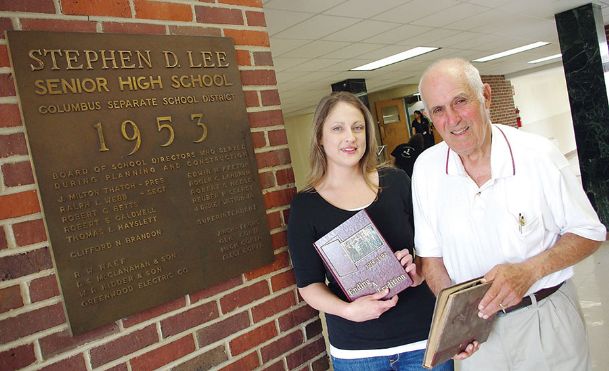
(408, 361)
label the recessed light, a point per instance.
(511, 51)
(555, 56)
(411, 53)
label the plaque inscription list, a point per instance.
(143, 155)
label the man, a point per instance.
(496, 202)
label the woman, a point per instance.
(421, 125)
(369, 333)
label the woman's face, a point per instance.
(344, 135)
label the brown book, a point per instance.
(360, 260)
(455, 321)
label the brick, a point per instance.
(279, 240)
(214, 290)
(7, 86)
(124, 345)
(43, 288)
(258, 77)
(277, 366)
(154, 312)
(281, 261)
(195, 31)
(12, 144)
(3, 241)
(18, 204)
(265, 118)
(273, 306)
(114, 8)
(244, 296)
(5, 25)
(281, 345)
(253, 3)
(189, 319)
(165, 11)
(251, 339)
(282, 197)
(285, 176)
(223, 329)
(121, 367)
(161, 356)
(251, 98)
(74, 363)
(209, 15)
(273, 158)
(246, 37)
(282, 280)
(57, 25)
(15, 266)
(278, 137)
(270, 98)
(17, 358)
(286, 215)
(17, 174)
(267, 179)
(258, 139)
(4, 60)
(321, 364)
(313, 329)
(255, 19)
(64, 341)
(134, 28)
(296, 317)
(29, 323)
(10, 115)
(274, 220)
(29, 232)
(249, 362)
(205, 361)
(263, 58)
(28, 6)
(243, 58)
(306, 353)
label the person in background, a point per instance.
(369, 333)
(406, 154)
(421, 125)
(497, 202)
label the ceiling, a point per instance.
(315, 42)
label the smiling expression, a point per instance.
(344, 135)
(458, 114)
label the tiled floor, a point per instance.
(592, 282)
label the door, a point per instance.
(393, 126)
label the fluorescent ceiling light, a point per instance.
(546, 58)
(394, 58)
(511, 51)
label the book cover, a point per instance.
(455, 321)
(360, 259)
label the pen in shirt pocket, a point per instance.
(521, 222)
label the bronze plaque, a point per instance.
(147, 175)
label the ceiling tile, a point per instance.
(363, 8)
(281, 46)
(316, 27)
(414, 10)
(398, 34)
(449, 15)
(315, 49)
(311, 6)
(361, 30)
(279, 20)
(353, 50)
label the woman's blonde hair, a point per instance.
(317, 157)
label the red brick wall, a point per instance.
(503, 110)
(254, 321)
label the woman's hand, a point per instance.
(409, 266)
(369, 307)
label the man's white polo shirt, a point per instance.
(531, 199)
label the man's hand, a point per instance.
(509, 284)
(409, 266)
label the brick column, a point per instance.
(256, 320)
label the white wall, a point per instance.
(543, 101)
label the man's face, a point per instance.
(457, 113)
